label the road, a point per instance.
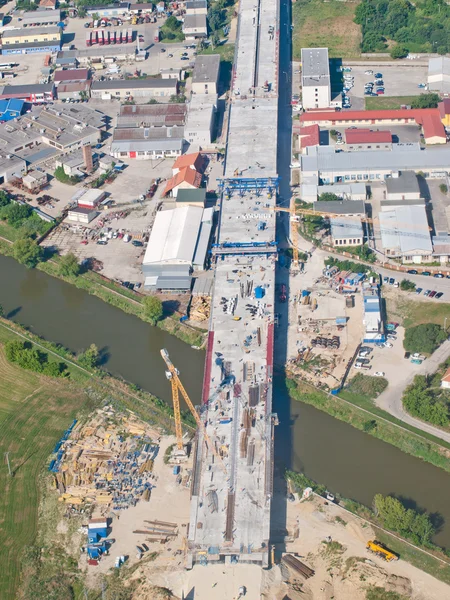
(391, 399)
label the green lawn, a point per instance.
(411, 312)
(319, 24)
(34, 412)
(388, 102)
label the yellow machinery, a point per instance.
(177, 387)
(380, 550)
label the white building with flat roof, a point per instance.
(316, 84)
(346, 231)
(439, 74)
(405, 234)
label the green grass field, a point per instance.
(412, 312)
(34, 412)
(319, 24)
(388, 102)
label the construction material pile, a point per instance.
(200, 308)
(106, 461)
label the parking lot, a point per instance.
(398, 81)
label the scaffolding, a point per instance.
(243, 185)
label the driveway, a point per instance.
(391, 399)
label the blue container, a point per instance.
(176, 470)
(259, 292)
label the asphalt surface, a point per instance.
(391, 399)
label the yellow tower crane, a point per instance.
(172, 375)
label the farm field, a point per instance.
(34, 412)
(319, 24)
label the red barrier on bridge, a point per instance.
(208, 366)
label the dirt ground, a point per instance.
(346, 572)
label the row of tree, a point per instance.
(409, 523)
(421, 26)
(27, 356)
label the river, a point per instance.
(348, 461)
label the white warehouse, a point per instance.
(178, 245)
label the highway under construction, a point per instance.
(232, 482)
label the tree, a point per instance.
(68, 266)
(329, 197)
(27, 252)
(399, 51)
(4, 198)
(420, 400)
(62, 176)
(407, 286)
(406, 521)
(424, 338)
(2, 311)
(430, 100)
(443, 188)
(90, 357)
(153, 309)
(16, 213)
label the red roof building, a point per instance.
(186, 178)
(309, 136)
(48, 4)
(428, 118)
(71, 76)
(193, 161)
(367, 136)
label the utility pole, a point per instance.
(7, 462)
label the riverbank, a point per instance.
(432, 559)
(109, 292)
(375, 422)
(34, 412)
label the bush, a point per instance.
(426, 101)
(424, 338)
(443, 188)
(68, 266)
(422, 401)
(90, 357)
(4, 198)
(16, 214)
(62, 176)
(407, 286)
(368, 386)
(29, 357)
(329, 197)
(399, 51)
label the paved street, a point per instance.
(391, 399)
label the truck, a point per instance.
(380, 550)
(283, 294)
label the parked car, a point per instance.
(388, 345)
(418, 355)
(102, 242)
(363, 361)
(391, 281)
(385, 279)
(427, 292)
(438, 276)
(439, 295)
(137, 243)
(432, 294)
(380, 92)
(368, 72)
(412, 272)
(419, 290)
(378, 75)
(379, 374)
(426, 273)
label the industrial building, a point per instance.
(367, 139)
(350, 208)
(372, 320)
(195, 27)
(178, 244)
(346, 231)
(31, 40)
(139, 90)
(66, 59)
(199, 129)
(324, 163)
(191, 197)
(35, 93)
(70, 76)
(405, 234)
(97, 55)
(309, 192)
(75, 91)
(152, 115)
(42, 18)
(316, 83)
(196, 7)
(111, 10)
(11, 109)
(439, 74)
(35, 180)
(428, 118)
(205, 79)
(147, 142)
(403, 186)
(74, 163)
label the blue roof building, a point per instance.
(10, 109)
(373, 320)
